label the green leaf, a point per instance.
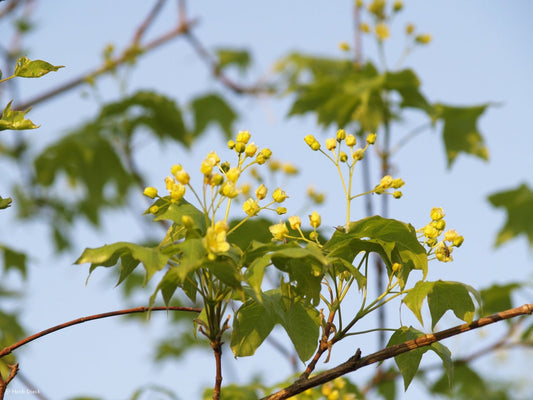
(441, 297)
(498, 298)
(176, 211)
(518, 204)
(409, 362)
(393, 240)
(26, 68)
(14, 260)
(407, 84)
(251, 326)
(130, 255)
(387, 387)
(14, 120)
(5, 203)
(460, 132)
(233, 57)
(212, 109)
(147, 109)
(302, 325)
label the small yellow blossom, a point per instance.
(331, 144)
(175, 169)
(424, 38)
(365, 27)
(397, 6)
(409, 29)
(386, 182)
(443, 253)
(281, 210)
(371, 138)
(250, 207)
(397, 194)
(177, 192)
(231, 144)
(315, 219)
(344, 46)
(279, 195)
(250, 149)
(295, 222)
(150, 192)
(440, 224)
(245, 188)
(396, 267)
(327, 388)
(215, 239)
(358, 154)
(217, 179)
(312, 142)
(274, 165)
(430, 232)
(382, 31)
(261, 192)
(263, 156)
(343, 157)
(397, 183)
(229, 190)
(351, 140)
(341, 135)
(289, 168)
(279, 231)
(187, 221)
(339, 383)
(154, 209)
(233, 174)
(182, 177)
(437, 213)
(240, 147)
(243, 136)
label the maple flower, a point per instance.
(315, 220)
(386, 182)
(215, 239)
(182, 177)
(250, 149)
(443, 253)
(382, 31)
(263, 156)
(331, 143)
(250, 207)
(341, 135)
(409, 29)
(233, 174)
(229, 190)
(371, 138)
(295, 222)
(279, 231)
(279, 195)
(351, 140)
(281, 210)
(150, 192)
(364, 27)
(261, 192)
(344, 46)
(424, 38)
(358, 154)
(177, 192)
(437, 213)
(154, 209)
(243, 136)
(312, 142)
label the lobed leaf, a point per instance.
(14, 120)
(5, 203)
(129, 254)
(518, 204)
(210, 110)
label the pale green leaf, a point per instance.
(14, 120)
(25, 68)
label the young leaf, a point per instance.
(498, 297)
(130, 254)
(460, 132)
(233, 57)
(302, 324)
(26, 68)
(14, 260)
(14, 120)
(518, 204)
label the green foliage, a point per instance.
(25, 68)
(5, 203)
(497, 298)
(14, 120)
(408, 363)
(518, 204)
(238, 58)
(441, 297)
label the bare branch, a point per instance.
(356, 362)
(7, 350)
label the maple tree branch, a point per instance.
(7, 350)
(356, 362)
(126, 56)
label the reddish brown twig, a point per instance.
(356, 362)
(7, 350)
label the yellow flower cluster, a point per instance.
(431, 232)
(332, 144)
(388, 183)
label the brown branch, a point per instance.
(217, 349)
(7, 350)
(108, 66)
(148, 21)
(3, 383)
(356, 362)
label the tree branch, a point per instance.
(356, 362)
(7, 350)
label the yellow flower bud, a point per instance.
(365, 27)
(250, 207)
(175, 168)
(231, 144)
(396, 267)
(154, 209)
(217, 179)
(215, 239)
(274, 165)
(443, 253)
(233, 174)
(182, 177)
(371, 138)
(397, 6)
(458, 241)
(187, 221)
(344, 46)
(240, 147)
(295, 222)
(397, 194)
(315, 220)
(341, 135)
(424, 38)
(177, 192)
(437, 213)
(313, 235)
(150, 192)
(245, 189)
(358, 154)
(351, 140)
(386, 182)
(331, 144)
(312, 142)
(343, 157)
(279, 231)
(397, 183)
(431, 232)
(439, 224)
(279, 195)
(243, 136)
(250, 149)
(229, 190)
(382, 31)
(281, 210)
(261, 192)
(409, 29)
(289, 169)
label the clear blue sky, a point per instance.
(481, 52)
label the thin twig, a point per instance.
(356, 362)
(7, 350)
(148, 21)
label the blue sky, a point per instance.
(479, 54)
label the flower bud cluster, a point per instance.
(387, 183)
(432, 231)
